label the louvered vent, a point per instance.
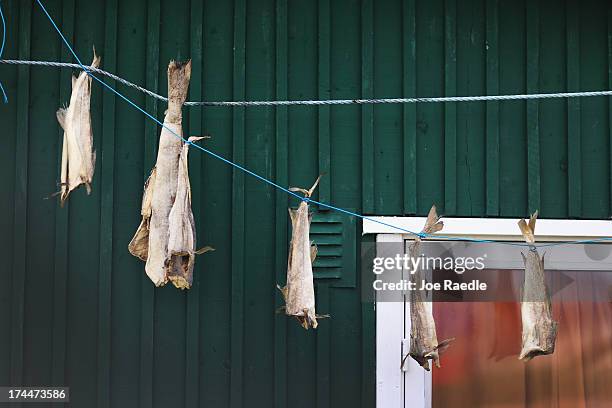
(334, 235)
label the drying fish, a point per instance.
(299, 293)
(539, 328)
(424, 344)
(165, 238)
(182, 234)
(139, 245)
(164, 184)
(78, 156)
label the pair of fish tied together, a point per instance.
(166, 236)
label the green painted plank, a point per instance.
(61, 221)
(574, 149)
(42, 179)
(430, 126)
(147, 300)
(388, 80)
(238, 208)
(215, 298)
(450, 109)
(552, 113)
(324, 93)
(409, 110)
(492, 118)
(610, 103)
(192, 338)
(8, 115)
(107, 175)
(259, 282)
(533, 109)
(345, 60)
(21, 196)
(512, 132)
(346, 358)
(324, 347)
(128, 272)
(84, 236)
(471, 117)
(431, 59)
(282, 177)
(594, 129)
(367, 111)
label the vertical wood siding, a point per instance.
(76, 308)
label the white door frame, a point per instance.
(391, 382)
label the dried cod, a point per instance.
(299, 293)
(166, 236)
(139, 245)
(424, 344)
(78, 156)
(539, 328)
(182, 233)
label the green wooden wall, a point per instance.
(77, 309)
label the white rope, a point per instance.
(441, 99)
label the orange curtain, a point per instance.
(481, 368)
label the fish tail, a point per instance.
(313, 252)
(316, 183)
(179, 74)
(433, 223)
(532, 221)
(284, 290)
(96, 59)
(61, 117)
(308, 193)
(203, 250)
(293, 215)
(526, 231)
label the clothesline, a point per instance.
(366, 101)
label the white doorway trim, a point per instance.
(495, 228)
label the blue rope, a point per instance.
(4, 97)
(273, 184)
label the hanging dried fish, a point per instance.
(299, 293)
(166, 236)
(139, 245)
(78, 156)
(182, 234)
(539, 328)
(424, 344)
(166, 173)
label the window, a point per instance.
(481, 367)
